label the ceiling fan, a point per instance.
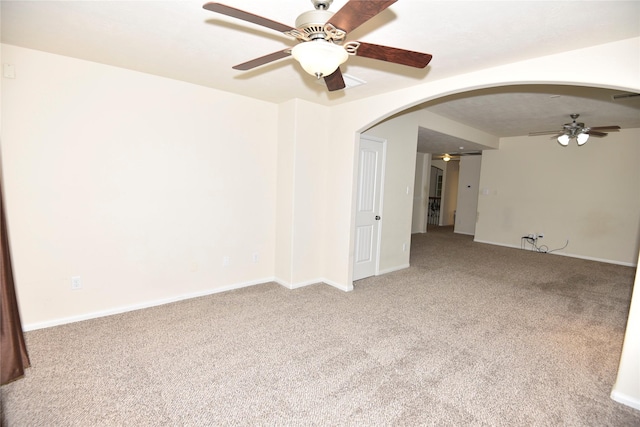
(578, 131)
(321, 35)
(456, 155)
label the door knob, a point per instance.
(377, 217)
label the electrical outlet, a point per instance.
(255, 257)
(404, 247)
(226, 261)
(76, 283)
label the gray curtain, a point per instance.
(13, 350)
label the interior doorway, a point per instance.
(371, 155)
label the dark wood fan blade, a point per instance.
(546, 132)
(393, 54)
(246, 16)
(598, 134)
(335, 81)
(263, 60)
(607, 128)
(357, 12)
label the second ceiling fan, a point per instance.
(322, 48)
(578, 131)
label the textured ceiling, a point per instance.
(181, 40)
(520, 110)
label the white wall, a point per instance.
(301, 193)
(401, 134)
(433, 121)
(588, 195)
(450, 193)
(285, 193)
(421, 193)
(627, 387)
(139, 185)
(468, 184)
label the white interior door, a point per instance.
(368, 207)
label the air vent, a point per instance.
(349, 81)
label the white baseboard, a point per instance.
(147, 304)
(289, 285)
(497, 244)
(625, 399)
(347, 288)
(588, 258)
(313, 282)
(392, 269)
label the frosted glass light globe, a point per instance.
(319, 58)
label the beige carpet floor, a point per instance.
(471, 334)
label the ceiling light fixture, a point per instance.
(582, 138)
(574, 130)
(319, 58)
(578, 131)
(446, 157)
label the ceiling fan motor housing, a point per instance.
(572, 129)
(312, 23)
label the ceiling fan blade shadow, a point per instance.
(394, 55)
(356, 12)
(246, 16)
(335, 81)
(263, 60)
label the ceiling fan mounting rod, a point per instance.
(321, 4)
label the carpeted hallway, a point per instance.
(471, 334)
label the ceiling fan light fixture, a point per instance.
(582, 138)
(319, 58)
(563, 140)
(446, 157)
